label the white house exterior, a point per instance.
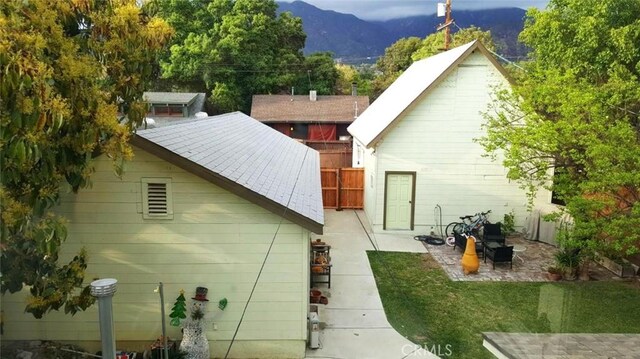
(419, 148)
(232, 187)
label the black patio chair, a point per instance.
(493, 233)
(499, 254)
(461, 242)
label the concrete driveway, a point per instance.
(356, 325)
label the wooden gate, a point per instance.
(343, 187)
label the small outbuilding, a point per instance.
(166, 108)
(416, 144)
(225, 203)
(318, 121)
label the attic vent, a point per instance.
(156, 198)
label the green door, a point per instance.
(399, 201)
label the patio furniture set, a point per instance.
(492, 245)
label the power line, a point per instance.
(255, 284)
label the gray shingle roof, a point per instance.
(170, 98)
(239, 153)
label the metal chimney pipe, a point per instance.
(104, 289)
(354, 89)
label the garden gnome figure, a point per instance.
(470, 262)
(194, 339)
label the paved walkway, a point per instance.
(355, 325)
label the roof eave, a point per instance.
(225, 183)
(309, 121)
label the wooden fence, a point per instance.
(333, 154)
(343, 187)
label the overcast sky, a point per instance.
(389, 9)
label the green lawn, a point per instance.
(425, 306)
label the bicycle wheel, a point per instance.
(449, 230)
(459, 228)
(450, 241)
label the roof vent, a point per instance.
(149, 123)
(156, 198)
(313, 95)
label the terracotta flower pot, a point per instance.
(314, 296)
(554, 276)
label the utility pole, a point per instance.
(445, 10)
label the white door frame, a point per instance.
(413, 196)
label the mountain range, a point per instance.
(355, 40)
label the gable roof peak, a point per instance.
(420, 77)
(247, 158)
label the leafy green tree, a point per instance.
(395, 60)
(232, 49)
(434, 43)
(318, 73)
(366, 76)
(397, 57)
(571, 123)
(347, 75)
(72, 75)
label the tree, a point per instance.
(232, 49)
(397, 57)
(434, 43)
(319, 74)
(571, 123)
(71, 83)
(347, 75)
(392, 64)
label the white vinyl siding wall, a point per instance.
(215, 239)
(435, 138)
(370, 183)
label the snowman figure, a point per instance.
(194, 339)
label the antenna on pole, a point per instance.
(444, 9)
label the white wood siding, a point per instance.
(370, 184)
(216, 239)
(435, 138)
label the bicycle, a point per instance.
(466, 226)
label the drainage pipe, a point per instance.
(104, 289)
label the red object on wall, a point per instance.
(322, 132)
(283, 127)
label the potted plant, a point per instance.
(554, 273)
(508, 224)
(568, 259)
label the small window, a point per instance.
(156, 198)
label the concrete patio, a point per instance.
(354, 322)
(529, 265)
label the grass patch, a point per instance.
(424, 305)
